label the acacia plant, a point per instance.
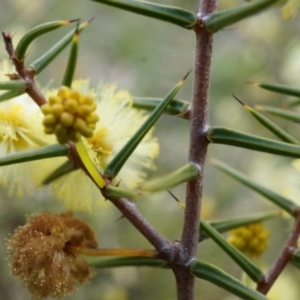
(54, 253)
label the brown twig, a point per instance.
(283, 258)
(198, 116)
(23, 72)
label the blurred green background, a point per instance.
(147, 57)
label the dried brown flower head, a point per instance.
(41, 254)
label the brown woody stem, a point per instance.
(23, 72)
(198, 116)
(283, 258)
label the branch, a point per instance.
(198, 116)
(23, 72)
(283, 258)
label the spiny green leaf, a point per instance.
(221, 19)
(10, 94)
(119, 160)
(296, 258)
(275, 198)
(278, 88)
(62, 170)
(270, 125)
(222, 279)
(175, 15)
(283, 113)
(13, 85)
(99, 262)
(222, 135)
(233, 223)
(248, 267)
(176, 107)
(71, 66)
(113, 192)
(35, 32)
(42, 62)
(89, 164)
(184, 174)
(34, 154)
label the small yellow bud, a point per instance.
(84, 110)
(71, 106)
(92, 118)
(46, 109)
(57, 109)
(49, 120)
(63, 92)
(66, 119)
(53, 99)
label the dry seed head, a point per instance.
(250, 239)
(41, 254)
(69, 115)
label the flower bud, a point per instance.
(69, 115)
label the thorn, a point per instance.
(236, 98)
(74, 20)
(187, 74)
(174, 197)
(91, 19)
(120, 218)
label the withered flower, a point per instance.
(42, 256)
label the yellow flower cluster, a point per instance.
(69, 115)
(251, 239)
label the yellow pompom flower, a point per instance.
(118, 121)
(20, 129)
(251, 239)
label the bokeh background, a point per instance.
(147, 57)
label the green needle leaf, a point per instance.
(13, 85)
(248, 267)
(113, 192)
(36, 32)
(283, 113)
(221, 19)
(89, 164)
(275, 198)
(34, 154)
(222, 279)
(70, 70)
(62, 170)
(98, 262)
(175, 15)
(41, 63)
(233, 223)
(278, 88)
(176, 107)
(184, 174)
(270, 125)
(222, 135)
(296, 258)
(120, 159)
(10, 94)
